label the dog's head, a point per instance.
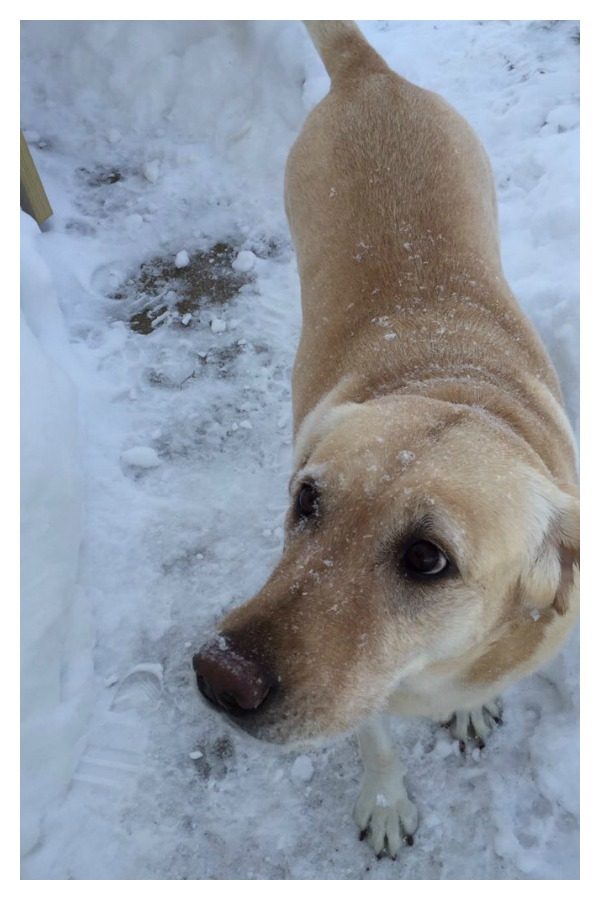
(417, 532)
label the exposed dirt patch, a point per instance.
(161, 288)
(100, 176)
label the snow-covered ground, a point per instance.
(157, 446)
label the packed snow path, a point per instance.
(161, 317)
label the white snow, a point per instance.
(140, 688)
(182, 259)
(141, 457)
(151, 171)
(134, 222)
(302, 769)
(245, 261)
(218, 326)
(56, 635)
(125, 564)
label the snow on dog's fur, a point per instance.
(432, 541)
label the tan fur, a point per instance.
(421, 395)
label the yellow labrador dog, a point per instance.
(431, 553)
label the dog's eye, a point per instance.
(307, 501)
(424, 558)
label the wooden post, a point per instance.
(33, 196)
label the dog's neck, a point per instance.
(530, 413)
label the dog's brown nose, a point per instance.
(229, 680)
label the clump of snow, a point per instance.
(245, 261)
(151, 170)
(182, 259)
(302, 769)
(141, 457)
(218, 326)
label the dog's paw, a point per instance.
(474, 724)
(384, 814)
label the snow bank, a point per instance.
(221, 101)
(56, 638)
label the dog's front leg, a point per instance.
(383, 811)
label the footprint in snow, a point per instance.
(141, 688)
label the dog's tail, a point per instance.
(344, 50)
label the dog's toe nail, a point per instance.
(380, 856)
(480, 743)
(363, 834)
(462, 746)
(409, 840)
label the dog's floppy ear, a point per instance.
(328, 413)
(552, 567)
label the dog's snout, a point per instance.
(231, 681)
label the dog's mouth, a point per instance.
(261, 712)
(267, 725)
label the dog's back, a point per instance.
(391, 204)
(393, 137)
